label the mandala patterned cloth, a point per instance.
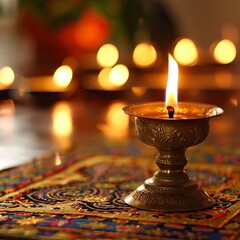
(79, 194)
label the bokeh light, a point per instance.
(224, 52)
(144, 55)
(107, 55)
(6, 76)
(185, 52)
(104, 80)
(63, 76)
(113, 78)
(62, 120)
(116, 122)
(119, 75)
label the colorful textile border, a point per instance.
(89, 189)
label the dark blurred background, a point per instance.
(37, 37)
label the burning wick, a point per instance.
(170, 111)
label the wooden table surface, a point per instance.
(29, 128)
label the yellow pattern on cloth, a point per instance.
(96, 186)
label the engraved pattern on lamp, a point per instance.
(164, 136)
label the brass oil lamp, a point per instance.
(171, 129)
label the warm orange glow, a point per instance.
(138, 91)
(104, 80)
(144, 55)
(234, 102)
(119, 75)
(7, 107)
(71, 62)
(63, 76)
(58, 160)
(224, 52)
(8, 124)
(107, 55)
(117, 122)
(224, 78)
(62, 120)
(113, 78)
(6, 76)
(185, 52)
(172, 83)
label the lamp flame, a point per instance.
(172, 83)
(63, 76)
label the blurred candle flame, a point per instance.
(113, 78)
(104, 80)
(119, 75)
(63, 76)
(185, 52)
(6, 76)
(144, 55)
(172, 83)
(107, 55)
(224, 52)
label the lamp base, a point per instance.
(187, 197)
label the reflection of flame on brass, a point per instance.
(116, 121)
(185, 52)
(6, 77)
(107, 55)
(224, 52)
(144, 55)
(63, 76)
(62, 120)
(112, 78)
(172, 84)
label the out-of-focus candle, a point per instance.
(63, 76)
(185, 52)
(59, 82)
(7, 77)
